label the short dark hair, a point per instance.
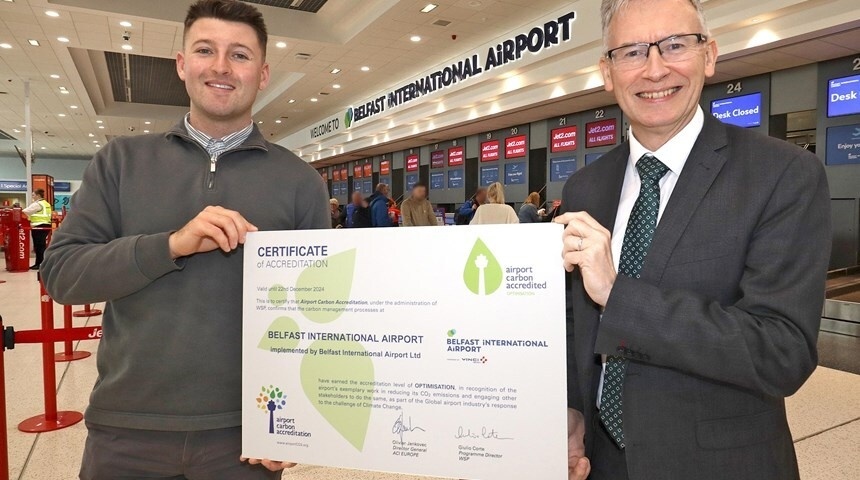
(39, 192)
(229, 11)
(420, 184)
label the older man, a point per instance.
(698, 253)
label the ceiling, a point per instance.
(88, 84)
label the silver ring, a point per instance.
(580, 244)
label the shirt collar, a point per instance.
(675, 152)
(217, 146)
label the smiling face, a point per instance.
(659, 98)
(223, 67)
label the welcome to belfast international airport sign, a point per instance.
(536, 40)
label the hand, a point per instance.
(578, 466)
(588, 245)
(213, 228)
(474, 206)
(270, 464)
(542, 212)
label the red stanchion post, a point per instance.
(68, 354)
(88, 311)
(4, 440)
(52, 419)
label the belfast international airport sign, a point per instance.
(508, 51)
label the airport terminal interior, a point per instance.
(455, 94)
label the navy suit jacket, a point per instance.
(723, 323)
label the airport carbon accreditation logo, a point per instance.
(269, 400)
(482, 273)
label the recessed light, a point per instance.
(16, 130)
(100, 121)
(23, 126)
(314, 99)
(55, 76)
(95, 141)
(146, 131)
(365, 68)
(73, 107)
(429, 8)
(125, 23)
(335, 86)
(63, 39)
(5, 45)
(126, 47)
(64, 91)
(33, 42)
(102, 127)
(259, 122)
(292, 100)
(43, 148)
(335, 71)
(52, 13)
(415, 38)
(278, 121)
(147, 122)
(61, 114)
(91, 135)
(281, 44)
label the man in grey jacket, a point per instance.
(156, 230)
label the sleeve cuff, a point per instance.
(152, 254)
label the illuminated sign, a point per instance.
(515, 147)
(385, 167)
(455, 156)
(356, 171)
(437, 159)
(563, 139)
(490, 151)
(601, 133)
(743, 111)
(411, 164)
(368, 170)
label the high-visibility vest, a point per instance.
(43, 217)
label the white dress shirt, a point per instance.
(674, 155)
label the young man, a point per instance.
(39, 213)
(702, 250)
(156, 230)
(416, 210)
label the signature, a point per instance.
(400, 427)
(486, 433)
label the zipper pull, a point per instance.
(213, 160)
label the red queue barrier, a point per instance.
(52, 419)
(88, 311)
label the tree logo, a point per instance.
(483, 273)
(347, 119)
(271, 399)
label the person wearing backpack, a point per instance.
(379, 207)
(467, 212)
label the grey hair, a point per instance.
(609, 8)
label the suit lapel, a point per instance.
(604, 203)
(701, 169)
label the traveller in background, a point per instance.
(39, 213)
(417, 210)
(467, 210)
(531, 212)
(168, 400)
(357, 212)
(337, 215)
(495, 211)
(393, 212)
(698, 254)
(379, 207)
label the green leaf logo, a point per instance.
(483, 273)
(350, 416)
(276, 336)
(337, 278)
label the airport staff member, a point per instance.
(156, 230)
(699, 253)
(39, 213)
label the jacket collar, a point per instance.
(254, 140)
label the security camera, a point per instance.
(126, 36)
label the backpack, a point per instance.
(460, 219)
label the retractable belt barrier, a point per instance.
(52, 419)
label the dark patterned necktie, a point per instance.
(637, 240)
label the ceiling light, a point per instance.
(314, 99)
(292, 100)
(52, 13)
(73, 107)
(102, 127)
(100, 121)
(335, 71)
(5, 45)
(147, 122)
(23, 126)
(125, 23)
(61, 114)
(126, 47)
(33, 42)
(365, 68)
(335, 86)
(91, 135)
(259, 122)
(95, 141)
(43, 148)
(278, 121)
(146, 131)
(281, 44)
(63, 39)
(54, 76)
(429, 8)
(415, 38)
(16, 130)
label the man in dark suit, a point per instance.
(698, 254)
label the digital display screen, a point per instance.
(437, 159)
(602, 133)
(411, 163)
(385, 167)
(592, 157)
(490, 151)
(386, 180)
(560, 169)
(489, 175)
(437, 181)
(411, 180)
(455, 178)
(335, 190)
(455, 156)
(367, 186)
(563, 139)
(843, 145)
(743, 111)
(515, 173)
(356, 186)
(515, 147)
(843, 96)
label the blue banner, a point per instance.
(455, 178)
(437, 181)
(489, 175)
(13, 186)
(411, 180)
(843, 96)
(560, 169)
(62, 187)
(843, 145)
(744, 111)
(515, 173)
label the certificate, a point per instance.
(433, 351)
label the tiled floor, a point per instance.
(824, 415)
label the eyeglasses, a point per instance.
(676, 48)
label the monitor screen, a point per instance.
(437, 181)
(561, 168)
(515, 173)
(743, 111)
(455, 178)
(843, 96)
(489, 175)
(411, 180)
(843, 145)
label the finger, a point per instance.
(574, 244)
(226, 224)
(242, 224)
(207, 230)
(572, 260)
(565, 218)
(277, 466)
